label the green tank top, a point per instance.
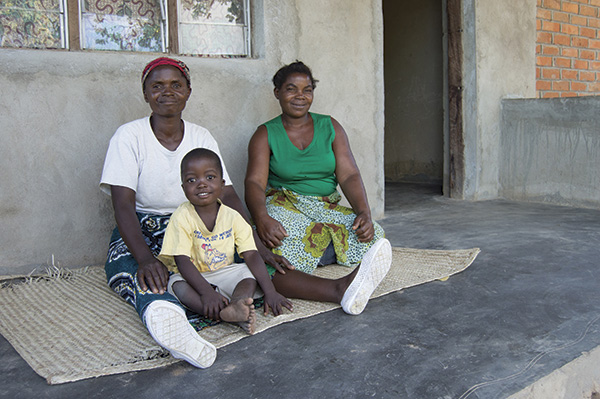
(310, 171)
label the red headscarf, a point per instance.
(166, 61)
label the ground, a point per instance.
(524, 308)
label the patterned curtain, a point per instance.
(213, 27)
(125, 25)
(32, 24)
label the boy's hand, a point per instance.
(276, 302)
(154, 275)
(213, 303)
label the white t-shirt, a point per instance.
(135, 159)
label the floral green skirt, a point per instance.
(312, 223)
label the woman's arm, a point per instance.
(270, 231)
(351, 183)
(230, 198)
(151, 272)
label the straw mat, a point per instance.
(68, 325)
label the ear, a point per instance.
(145, 96)
(276, 92)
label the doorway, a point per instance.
(414, 91)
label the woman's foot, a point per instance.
(373, 268)
(242, 313)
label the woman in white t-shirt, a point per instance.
(141, 173)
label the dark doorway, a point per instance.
(414, 91)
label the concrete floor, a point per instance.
(527, 306)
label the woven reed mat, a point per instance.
(69, 325)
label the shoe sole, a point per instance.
(372, 270)
(170, 328)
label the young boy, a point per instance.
(199, 248)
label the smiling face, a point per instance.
(295, 95)
(202, 181)
(166, 91)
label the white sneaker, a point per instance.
(373, 268)
(170, 328)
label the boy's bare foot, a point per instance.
(242, 313)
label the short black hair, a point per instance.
(199, 153)
(295, 67)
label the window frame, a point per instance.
(72, 15)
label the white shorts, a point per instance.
(224, 280)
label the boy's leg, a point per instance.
(162, 314)
(241, 306)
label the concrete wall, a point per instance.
(499, 62)
(413, 63)
(550, 151)
(59, 110)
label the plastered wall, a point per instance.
(499, 62)
(59, 109)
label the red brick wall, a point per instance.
(568, 48)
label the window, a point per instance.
(32, 24)
(188, 27)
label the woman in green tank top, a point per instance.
(296, 162)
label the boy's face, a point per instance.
(202, 181)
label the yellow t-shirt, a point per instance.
(187, 235)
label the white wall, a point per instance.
(59, 109)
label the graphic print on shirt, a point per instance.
(212, 257)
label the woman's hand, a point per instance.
(270, 231)
(212, 304)
(276, 302)
(363, 227)
(277, 261)
(154, 275)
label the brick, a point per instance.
(550, 50)
(585, 76)
(579, 20)
(595, 66)
(580, 64)
(569, 52)
(544, 14)
(580, 42)
(568, 94)
(543, 85)
(544, 37)
(538, 25)
(594, 44)
(561, 86)
(570, 7)
(588, 11)
(568, 74)
(594, 87)
(578, 86)
(563, 40)
(569, 29)
(594, 22)
(582, 1)
(550, 73)
(538, 73)
(552, 4)
(587, 54)
(543, 61)
(595, 2)
(549, 26)
(562, 62)
(550, 94)
(588, 32)
(560, 16)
